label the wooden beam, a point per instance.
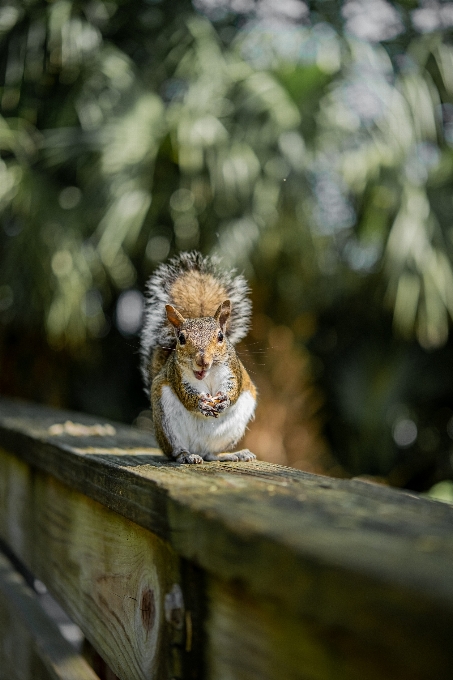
(323, 577)
(114, 578)
(31, 645)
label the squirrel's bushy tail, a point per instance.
(188, 281)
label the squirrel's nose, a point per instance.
(201, 360)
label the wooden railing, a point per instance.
(217, 571)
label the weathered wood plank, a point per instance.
(31, 646)
(111, 575)
(252, 637)
(355, 574)
(214, 513)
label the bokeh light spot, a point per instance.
(404, 432)
(129, 312)
(62, 263)
(158, 248)
(69, 198)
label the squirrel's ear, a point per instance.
(223, 314)
(174, 317)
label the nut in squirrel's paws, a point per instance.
(221, 401)
(188, 458)
(213, 406)
(206, 406)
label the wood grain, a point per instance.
(109, 574)
(31, 645)
(252, 637)
(322, 577)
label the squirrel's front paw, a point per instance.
(207, 406)
(221, 401)
(213, 406)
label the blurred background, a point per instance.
(310, 144)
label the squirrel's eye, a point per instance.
(220, 336)
(182, 339)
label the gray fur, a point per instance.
(155, 330)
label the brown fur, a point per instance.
(158, 414)
(247, 384)
(196, 295)
(158, 360)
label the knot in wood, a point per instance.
(148, 609)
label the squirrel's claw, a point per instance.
(245, 455)
(221, 401)
(188, 458)
(207, 411)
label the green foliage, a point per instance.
(311, 148)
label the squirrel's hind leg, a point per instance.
(244, 455)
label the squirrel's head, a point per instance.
(200, 342)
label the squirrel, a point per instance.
(201, 395)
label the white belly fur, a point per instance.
(202, 435)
